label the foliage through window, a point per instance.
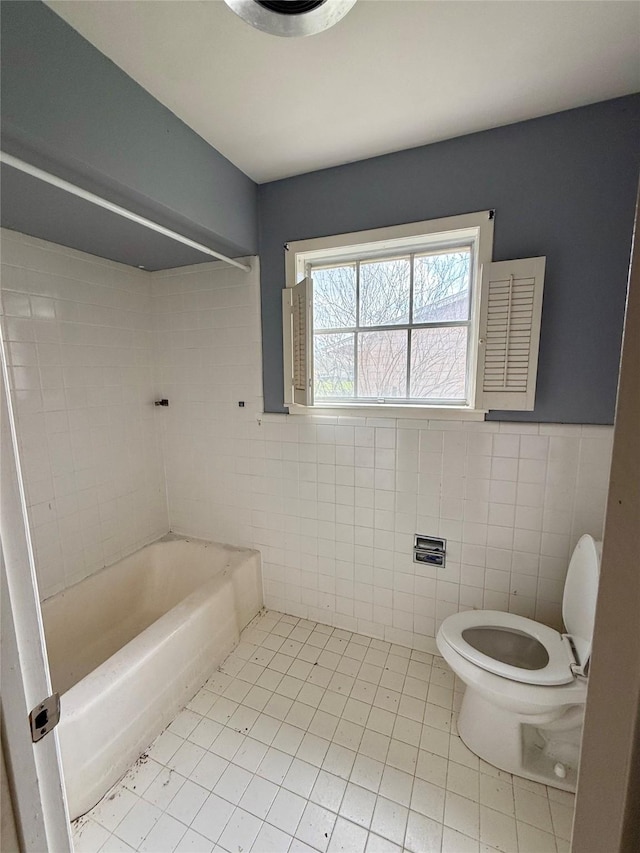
(414, 317)
(393, 329)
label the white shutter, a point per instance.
(297, 318)
(509, 334)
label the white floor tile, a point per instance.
(402, 756)
(137, 824)
(110, 811)
(339, 760)
(496, 794)
(164, 788)
(286, 811)
(301, 777)
(462, 814)
(187, 802)
(141, 775)
(184, 723)
(367, 772)
(259, 796)
(88, 835)
(378, 844)
(265, 729)
(389, 820)
(205, 732)
(250, 754)
(232, 784)
(347, 837)
(316, 826)
(532, 809)
(464, 781)
(312, 739)
(298, 846)
(227, 743)
(240, 832)
(358, 805)
(164, 837)
(457, 842)
(428, 799)
(432, 768)
(562, 819)
(423, 834)
(164, 746)
(328, 791)
(374, 744)
(271, 840)
(209, 770)
(113, 844)
(313, 749)
(532, 840)
(212, 817)
(274, 765)
(498, 830)
(288, 739)
(396, 785)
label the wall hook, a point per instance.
(162, 402)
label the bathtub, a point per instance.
(131, 645)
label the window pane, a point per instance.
(441, 287)
(333, 365)
(384, 292)
(334, 297)
(382, 364)
(439, 363)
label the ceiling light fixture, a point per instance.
(291, 17)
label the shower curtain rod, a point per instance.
(15, 163)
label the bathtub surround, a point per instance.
(332, 504)
(207, 358)
(79, 341)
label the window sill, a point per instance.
(447, 413)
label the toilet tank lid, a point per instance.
(580, 594)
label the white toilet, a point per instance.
(526, 684)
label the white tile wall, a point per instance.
(208, 359)
(333, 503)
(79, 345)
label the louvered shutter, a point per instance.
(298, 343)
(509, 334)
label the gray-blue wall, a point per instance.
(70, 110)
(563, 186)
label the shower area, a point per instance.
(112, 479)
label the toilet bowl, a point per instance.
(526, 684)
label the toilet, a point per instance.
(526, 684)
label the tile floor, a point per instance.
(311, 738)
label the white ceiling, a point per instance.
(391, 75)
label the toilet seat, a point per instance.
(557, 669)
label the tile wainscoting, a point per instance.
(333, 503)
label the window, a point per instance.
(415, 317)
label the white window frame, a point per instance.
(475, 228)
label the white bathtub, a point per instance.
(131, 645)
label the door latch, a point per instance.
(44, 717)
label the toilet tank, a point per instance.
(580, 595)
